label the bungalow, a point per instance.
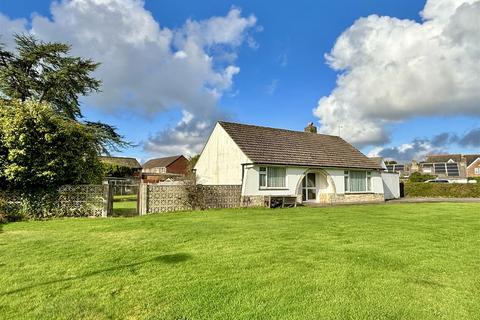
(161, 169)
(267, 162)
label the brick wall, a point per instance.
(178, 166)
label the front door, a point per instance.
(309, 187)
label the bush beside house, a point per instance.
(419, 177)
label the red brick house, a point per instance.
(473, 165)
(161, 169)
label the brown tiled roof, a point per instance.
(121, 161)
(278, 146)
(378, 160)
(160, 162)
(444, 157)
(470, 158)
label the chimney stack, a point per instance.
(311, 128)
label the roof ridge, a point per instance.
(176, 156)
(280, 129)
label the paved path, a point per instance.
(397, 201)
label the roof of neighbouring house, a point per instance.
(161, 162)
(379, 161)
(121, 161)
(444, 157)
(265, 145)
(470, 158)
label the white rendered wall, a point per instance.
(221, 160)
(294, 176)
(391, 185)
(339, 179)
(328, 181)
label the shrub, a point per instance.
(445, 190)
(418, 177)
(9, 211)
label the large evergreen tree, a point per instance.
(46, 72)
(41, 150)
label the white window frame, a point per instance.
(265, 173)
(477, 170)
(368, 181)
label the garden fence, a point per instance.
(97, 200)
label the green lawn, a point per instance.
(406, 261)
(125, 205)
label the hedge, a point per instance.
(443, 190)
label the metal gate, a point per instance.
(124, 199)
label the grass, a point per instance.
(404, 261)
(125, 205)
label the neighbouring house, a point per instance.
(447, 166)
(473, 165)
(268, 162)
(444, 166)
(404, 169)
(161, 169)
(122, 167)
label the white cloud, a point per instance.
(10, 27)
(392, 70)
(187, 137)
(418, 149)
(147, 68)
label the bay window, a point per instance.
(272, 177)
(358, 181)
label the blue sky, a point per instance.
(282, 74)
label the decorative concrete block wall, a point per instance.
(222, 196)
(168, 198)
(83, 200)
(72, 201)
(158, 198)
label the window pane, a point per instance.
(390, 167)
(263, 180)
(358, 181)
(439, 167)
(369, 184)
(346, 183)
(276, 177)
(311, 194)
(452, 169)
(311, 180)
(263, 169)
(304, 195)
